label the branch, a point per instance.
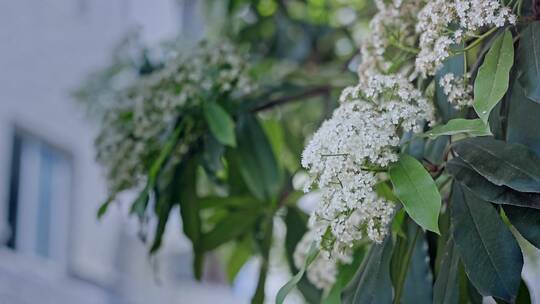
(321, 90)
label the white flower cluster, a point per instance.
(134, 129)
(458, 91)
(323, 271)
(393, 23)
(362, 133)
(443, 23)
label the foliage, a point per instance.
(426, 170)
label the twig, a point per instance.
(292, 98)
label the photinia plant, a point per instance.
(427, 173)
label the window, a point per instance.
(39, 200)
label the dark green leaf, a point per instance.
(419, 280)
(524, 296)
(296, 223)
(220, 123)
(372, 283)
(529, 61)
(229, 228)
(189, 212)
(103, 208)
(490, 254)
(435, 149)
(526, 221)
(512, 165)
(346, 273)
(471, 127)
(256, 160)
(417, 191)
(211, 156)
(523, 113)
(446, 288)
(484, 189)
(287, 288)
(493, 76)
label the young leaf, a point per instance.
(372, 283)
(512, 165)
(526, 221)
(529, 61)
(481, 187)
(220, 123)
(490, 254)
(417, 191)
(492, 80)
(286, 289)
(445, 290)
(471, 127)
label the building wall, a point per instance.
(47, 47)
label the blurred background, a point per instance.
(54, 249)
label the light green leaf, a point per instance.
(493, 76)
(220, 122)
(239, 256)
(417, 191)
(229, 228)
(286, 289)
(471, 127)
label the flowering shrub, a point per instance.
(427, 172)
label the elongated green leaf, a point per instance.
(419, 280)
(256, 161)
(512, 165)
(490, 254)
(220, 123)
(526, 221)
(296, 222)
(372, 283)
(484, 189)
(417, 191)
(229, 228)
(240, 202)
(346, 273)
(446, 288)
(471, 127)
(189, 212)
(286, 289)
(492, 80)
(529, 61)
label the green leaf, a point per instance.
(523, 113)
(239, 202)
(372, 283)
(512, 165)
(296, 223)
(529, 61)
(256, 161)
(493, 76)
(417, 191)
(287, 288)
(104, 207)
(471, 127)
(526, 221)
(490, 254)
(484, 189)
(185, 190)
(345, 275)
(419, 280)
(220, 123)
(524, 296)
(446, 288)
(229, 228)
(239, 256)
